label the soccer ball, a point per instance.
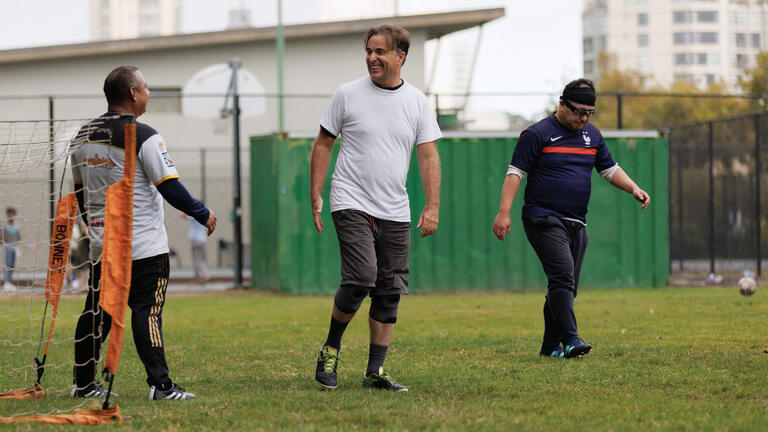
(747, 285)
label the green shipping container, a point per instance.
(628, 247)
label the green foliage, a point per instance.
(756, 82)
(643, 108)
(669, 359)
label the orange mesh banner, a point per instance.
(66, 212)
(84, 416)
(35, 392)
(116, 254)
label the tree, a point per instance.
(651, 107)
(756, 82)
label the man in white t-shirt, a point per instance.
(380, 118)
(98, 161)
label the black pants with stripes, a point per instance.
(149, 280)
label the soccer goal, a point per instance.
(45, 268)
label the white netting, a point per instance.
(35, 172)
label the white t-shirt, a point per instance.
(378, 129)
(98, 161)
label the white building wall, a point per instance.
(312, 66)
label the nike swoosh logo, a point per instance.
(553, 139)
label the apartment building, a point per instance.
(695, 41)
(129, 19)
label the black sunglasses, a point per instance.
(579, 111)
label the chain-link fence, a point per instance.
(715, 219)
(202, 150)
(718, 219)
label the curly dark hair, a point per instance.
(398, 37)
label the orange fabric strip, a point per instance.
(58, 258)
(116, 255)
(35, 392)
(83, 416)
(590, 151)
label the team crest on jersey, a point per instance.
(96, 161)
(167, 160)
(587, 139)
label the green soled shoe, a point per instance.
(576, 348)
(327, 361)
(557, 353)
(383, 381)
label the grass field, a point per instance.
(671, 359)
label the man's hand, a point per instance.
(642, 197)
(622, 181)
(318, 168)
(317, 213)
(502, 225)
(428, 220)
(211, 222)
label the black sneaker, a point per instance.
(557, 353)
(90, 391)
(383, 381)
(173, 393)
(327, 361)
(576, 348)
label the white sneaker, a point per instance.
(173, 393)
(91, 391)
(9, 288)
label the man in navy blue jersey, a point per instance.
(558, 154)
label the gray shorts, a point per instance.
(374, 252)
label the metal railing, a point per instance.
(717, 175)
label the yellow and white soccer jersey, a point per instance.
(97, 162)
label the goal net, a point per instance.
(45, 266)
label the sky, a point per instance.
(535, 47)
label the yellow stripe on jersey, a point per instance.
(166, 178)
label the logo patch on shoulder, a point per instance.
(167, 160)
(160, 144)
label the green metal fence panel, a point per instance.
(264, 189)
(628, 247)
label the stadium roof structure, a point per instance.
(436, 25)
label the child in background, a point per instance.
(198, 235)
(10, 236)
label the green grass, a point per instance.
(672, 359)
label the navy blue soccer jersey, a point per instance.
(559, 163)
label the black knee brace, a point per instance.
(348, 298)
(384, 308)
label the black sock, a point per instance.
(376, 356)
(335, 333)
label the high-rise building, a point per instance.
(128, 19)
(239, 18)
(336, 10)
(695, 41)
